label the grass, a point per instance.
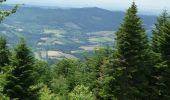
(101, 39)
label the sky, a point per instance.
(153, 6)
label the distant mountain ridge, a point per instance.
(88, 19)
(58, 33)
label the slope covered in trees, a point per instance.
(135, 69)
(70, 31)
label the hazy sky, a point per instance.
(143, 5)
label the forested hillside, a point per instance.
(137, 67)
(58, 33)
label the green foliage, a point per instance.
(4, 14)
(93, 66)
(130, 71)
(165, 48)
(81, 92)
(105, 81)
(3, 97)
(6, 70)
(131, 61)
(4, 52)
(20, 80)
(4, 63)
(157, 33)
(60, 86)
(165, 43)
(42, 72)
(66, 68)
(45, 94)
(160, 46)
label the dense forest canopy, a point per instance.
(136, 68)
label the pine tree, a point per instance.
(4, 62)
(94, 63)
(105, 81)
(165, 54)
(157, 82)
(4, 52)
(21, 79)
(131, 61)
(157, 34)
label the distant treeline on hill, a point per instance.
(135, 69)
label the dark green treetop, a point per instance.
(4, 52)
(165, 54)
(157, 33)
(131, 62)
(21, 79)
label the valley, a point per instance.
(55, 34)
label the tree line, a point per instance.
(136, 68)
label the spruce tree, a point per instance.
(131, 61)
(94, 63)
(21, 78)
(105, 81)
(165, 70)
(157, 34)
(157, 81)
(4, 52)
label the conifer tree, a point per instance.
(131, 61)
(96, 64)
(4, 52)
(165, 70)
(157, 34)
(21, 79)
(157, 82)
(105, 81)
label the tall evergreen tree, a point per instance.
(157, 81)
(165, 70)
(4, 52)
(157, 34)
(95, 64)
(131, 62)
(21, 79)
